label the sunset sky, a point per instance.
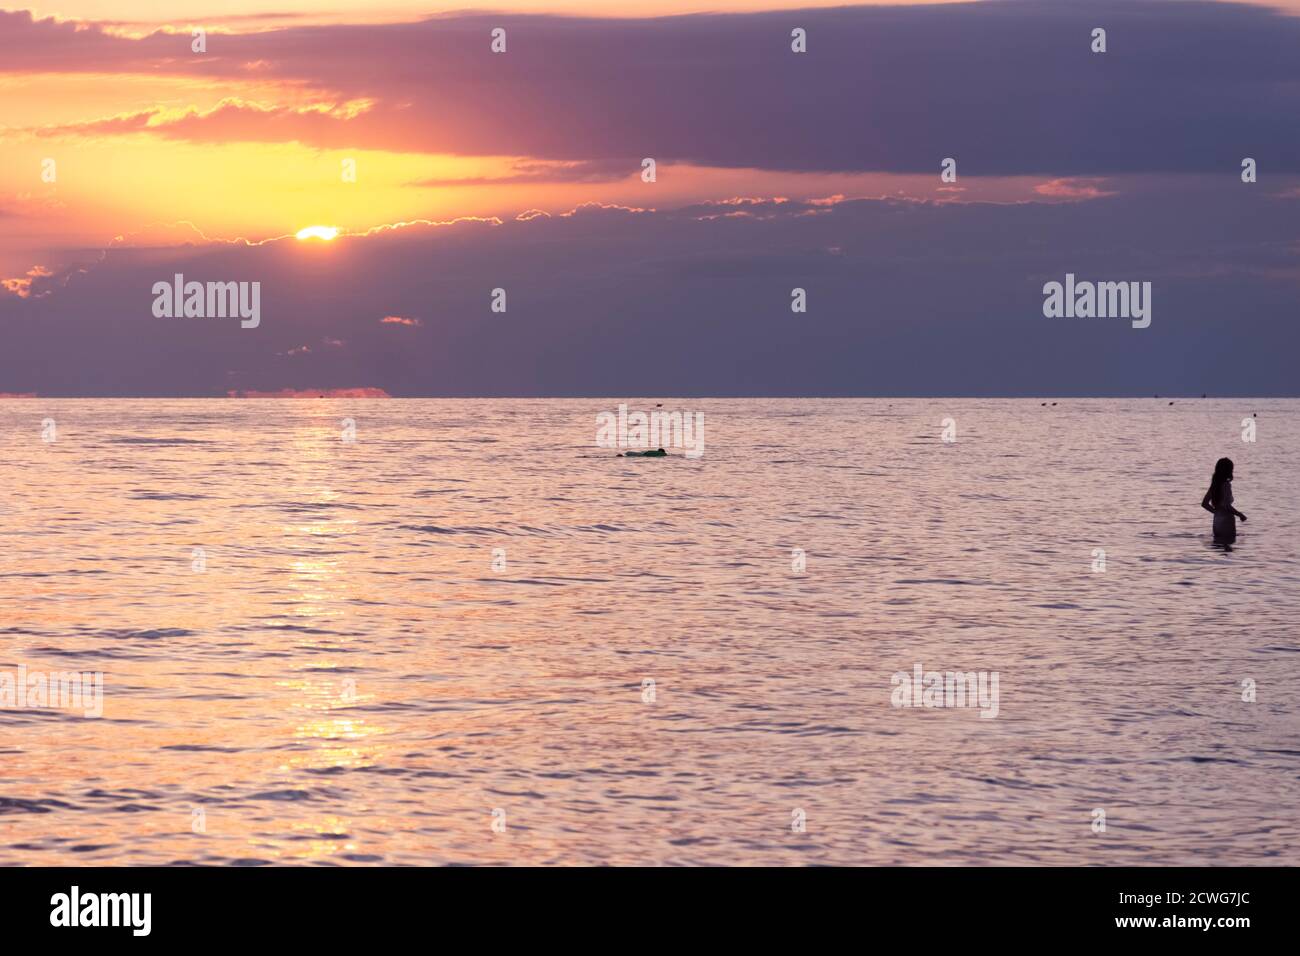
(775, 170)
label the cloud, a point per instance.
(22, 285)
(1079, 187)
(364, 392)
(537, 171)
(1006, 88)
(400, 320)
(230, 120)
(905, 297)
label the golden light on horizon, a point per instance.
(324, 233)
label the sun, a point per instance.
(324, 233)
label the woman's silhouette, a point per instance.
(1219, 501)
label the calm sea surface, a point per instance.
(346, 673)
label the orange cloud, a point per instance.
(22, 287)
(231, 120)
(1075, 187)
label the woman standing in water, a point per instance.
(1219, 501)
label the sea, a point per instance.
(424, 632)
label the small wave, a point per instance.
(107, 653)
(157, 441)
(538, 581)
(19, 805)
(162, 496)
(284, 795)
(124, 634)
(436, 529)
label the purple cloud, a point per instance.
(1005, 87)
(904, 297)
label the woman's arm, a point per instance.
(1239, 514)
(1205, 503)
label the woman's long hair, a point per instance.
(1222, 473)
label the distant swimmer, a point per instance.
(1218, 500)
(646, 454)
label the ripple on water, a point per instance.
(648, 678)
